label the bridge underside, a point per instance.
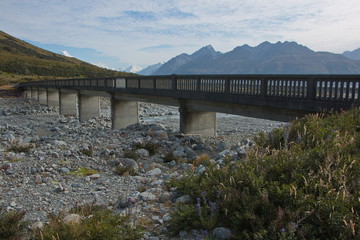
(196, 116)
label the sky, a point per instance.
(120, 33)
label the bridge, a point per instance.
(199, 97)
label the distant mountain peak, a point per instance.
(354, 55)
(133, 69)
(204, 51)
(65, 53)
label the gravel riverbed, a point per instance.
(51, 163)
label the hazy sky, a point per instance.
(143, 32)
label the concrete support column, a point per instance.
(124, 113)
(35, 94)
(197, 122)
(42, 96)
(28, 92)
(53, 98)
(68, 103)
(89, 107)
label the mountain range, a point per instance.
(266, 58)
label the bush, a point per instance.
(97, 223)
(19, 148)
(130, 154)
(125, 169)
(11, 225)
(298, 182)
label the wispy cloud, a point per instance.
(147, 31)
(156, 48)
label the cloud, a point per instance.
(156, 48)
(146, 31)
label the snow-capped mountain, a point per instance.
(133, 69)
(150, 70)
(66, 53)
(103, 65)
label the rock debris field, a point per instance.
(51, 163)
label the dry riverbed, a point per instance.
(50, 163)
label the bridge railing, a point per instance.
(313, 87)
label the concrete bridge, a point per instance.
(199, 97)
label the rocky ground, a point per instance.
(50, 163)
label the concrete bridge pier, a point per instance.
(42, 96)
(34, 94)
(68, 102)
(123, 113)
(28, 92)
(89, 107)
(53, 97)
(197, 122)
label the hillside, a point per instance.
(21, 61)
(266, 58)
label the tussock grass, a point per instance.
(298, 182)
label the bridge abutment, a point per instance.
(68, 103)
(89, 107)
(197, 122)
(124, 113)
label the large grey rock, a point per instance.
(147, 196)
(143, 153)
(128, 162)
(183, 199)
(154, 172)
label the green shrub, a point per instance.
(97, 223)
(299, 182)
(21, 148)
(125, 169)
(130, 154)
(12, 226)
(87, 152)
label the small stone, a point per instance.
(94, 176)
(9, 172)
(38, 179)
(37, 225)
(6, 166)
(147, 196)
(64, 170)
(143, 153)
(222, 233)
(165, 197)
(72, 218)
(182, 234)
(183, 199)
(128, 162)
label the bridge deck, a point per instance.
(308, 93)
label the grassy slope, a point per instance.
(21, 61)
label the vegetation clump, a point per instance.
(20, 148)
(97, 222)
(12, 225)
(83, 172)
(123, 170)
(300, 181)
